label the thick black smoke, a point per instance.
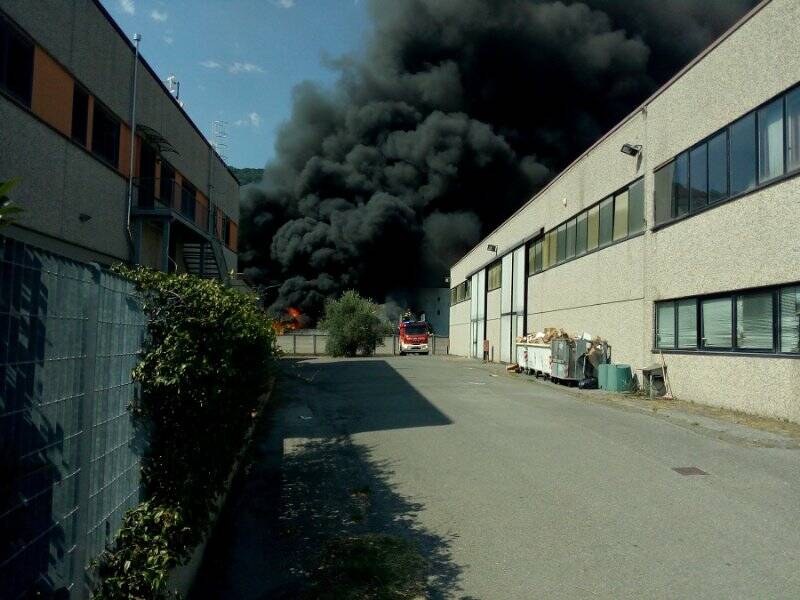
(457, 113)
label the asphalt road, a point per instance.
(512, 489)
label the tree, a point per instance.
(7, 207)
(352, 324)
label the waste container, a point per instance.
(618, 378)
(602, 375)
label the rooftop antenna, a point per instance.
(219, 134)
(174, 87)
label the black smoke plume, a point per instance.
(456, 113)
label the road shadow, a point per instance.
(311, 482)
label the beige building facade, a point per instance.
(678, 232)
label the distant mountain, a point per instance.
(246, 176)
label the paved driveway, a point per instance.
(512, 488)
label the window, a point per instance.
(770, 141)
(663, 192)
(793, 131)
(80, 115)
(790, 319)
(754, 321)
(537, 256)
(562, 243)
(698, 177)
(764, 320)
(621, 215)
(687, 323)
(167, 183)
(580, 234)
(531, 258)
(743, 154)
(467, 289)
(718, 167)
(546, 262)
(453, 296)
(571, 238)
(606, 220)
(636, 207)
(553, 247)
(189, 205)
(717, 322)
(105, 135)
(680, 186)
(494, 275)
(665, 325)
(593, 224)
(460, 292)
(16, 63)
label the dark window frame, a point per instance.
(734, 348)
(499, 265)
(102, 109)
(82, 140)
(9, 31)
(759, 184)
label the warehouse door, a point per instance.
(518, 294)
(477, 313)
(506, 303)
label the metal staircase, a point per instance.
(205, 259)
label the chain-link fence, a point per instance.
(70, 335)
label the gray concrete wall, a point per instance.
(80, 37)
(747, 242)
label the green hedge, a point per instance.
(206, 361)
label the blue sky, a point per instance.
(237, 60)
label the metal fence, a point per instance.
(314, 343)
(70, 335)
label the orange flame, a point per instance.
(290, 321)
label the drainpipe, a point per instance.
(137, 37)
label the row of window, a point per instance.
(16, 63)
(611, 220)
(460, 293)
(755, 150)
(765, 320)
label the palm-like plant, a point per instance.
(7, 207)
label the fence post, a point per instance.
(294, 343)
(85, 445)
(433, 339)
(314, 344)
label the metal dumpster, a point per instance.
(534, 359)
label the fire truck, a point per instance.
(413, 337)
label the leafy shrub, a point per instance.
(352, 324)
(7, 208)
(205, 362)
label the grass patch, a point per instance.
(368, 567)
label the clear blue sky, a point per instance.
(237, 60)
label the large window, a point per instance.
(562, 243)
(770, 141)
(16, 63)
(790, 319)
(606, 221)
(743, 154)
(793, 131)
(105, 135)
(494, 275)
(663, 192)
(80, 115)
(580, 234)
(718, 167)
(680, 185)
(593, 221)
(537, 255)
(636, 207)
(460, 293)
(698, 177)
(765, 320)
(571, 238)
(621, 215)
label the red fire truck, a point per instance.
(413, 337)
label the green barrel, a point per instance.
(602, 375)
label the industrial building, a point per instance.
(69, 112)
(677, 232)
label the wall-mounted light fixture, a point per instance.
(492, 248)
(631, 149)
(446, 282)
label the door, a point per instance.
(506, 303)
(477, 313)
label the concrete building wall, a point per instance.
(81, 41)
(459, 329)
(746, 242)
